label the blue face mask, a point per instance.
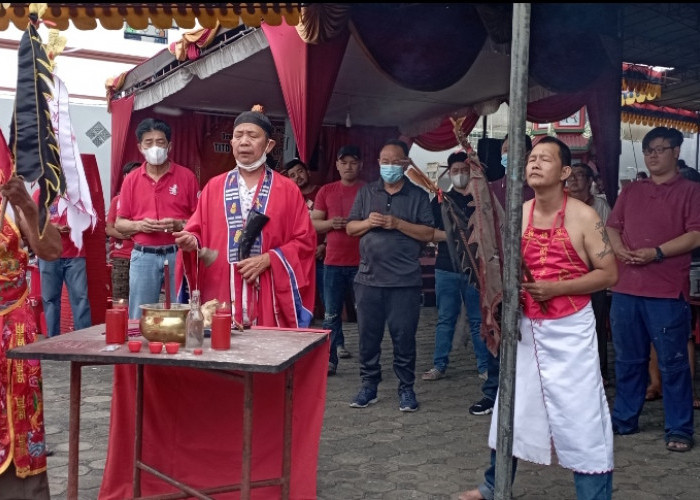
(391, 173)
(504, 160)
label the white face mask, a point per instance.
(252, 166)
(155, 155)
(460, 181)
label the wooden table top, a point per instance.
(265, 350)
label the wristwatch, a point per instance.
(659, 255)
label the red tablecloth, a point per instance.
(192, 428)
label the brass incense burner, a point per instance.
(159, 324)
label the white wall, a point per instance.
(83, 116)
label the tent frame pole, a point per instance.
(519, 61)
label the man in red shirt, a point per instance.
(154, 201)
(71, 269)
(653, 228)
(329, 216)
(120, 245)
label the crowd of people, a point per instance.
(284, 244)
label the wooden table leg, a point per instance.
(138, 427)
(74, 429)
(287, 438)
(247, 434)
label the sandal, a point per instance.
(652, 394)
(696, 403)
(679, 444)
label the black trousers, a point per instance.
(399, 309)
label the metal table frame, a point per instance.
(68, 347)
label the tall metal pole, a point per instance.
(519, 61)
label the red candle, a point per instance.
(221, 331)
(166, 284)
(115, 326)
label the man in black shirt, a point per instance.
(393, 219)
(453, 288)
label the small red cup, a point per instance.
(221, 331)
(115, 326)
(155, 347)
(135, 345)
(172, 347)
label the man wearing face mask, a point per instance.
(498, 186)
(393, 219)
(155, 201)
(275, 286)
(269, 284)
(452, 288)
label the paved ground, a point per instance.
(381, 453)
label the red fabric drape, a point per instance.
(197, 140)
(307, 74)
(603, 104)
(192, 421)
(121, 119)
(94, 242)
(555, 107)
(443, 136)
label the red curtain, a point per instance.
(555, 108)
(121, 118)
(443, 136)
(603, 104)
(307, 74)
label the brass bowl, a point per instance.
(158, 324)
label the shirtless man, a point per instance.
(559, 396)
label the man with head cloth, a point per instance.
(274, 286)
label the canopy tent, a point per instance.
(388, 80)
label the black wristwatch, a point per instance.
(659, 255)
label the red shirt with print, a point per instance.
(174, 195)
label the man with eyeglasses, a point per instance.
(579, 185)
(653, 228)
(393, 219)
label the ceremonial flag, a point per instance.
(32, 139)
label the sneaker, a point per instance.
(364, 398)
(343, 353)
(331, 369)
(407, 400)
(433, 374)
(484, 376)
(483, 407)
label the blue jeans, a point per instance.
(490, 386)
(588, 486)
(146, 279)
(451, 290)
(337, 281)
(637, 321)
(53, 274)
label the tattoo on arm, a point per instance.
(607, 248)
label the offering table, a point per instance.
(284, 363)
